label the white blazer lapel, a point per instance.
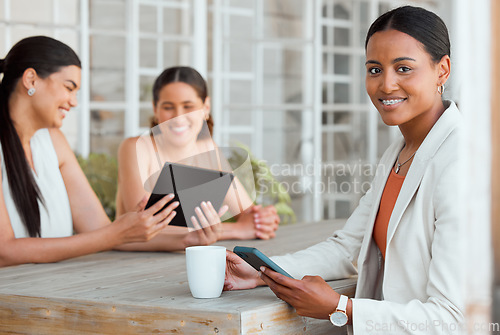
(427, 150)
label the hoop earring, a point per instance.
(31, 91)
(441, 89)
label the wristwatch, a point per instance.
(339, 317)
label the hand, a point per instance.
(311, 296)
(266, 221)
(209, 229)
(239, 274)
(143, 225)
(256, 222)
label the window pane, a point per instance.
(240, 57)
(283, 76)
(239, 91)
(107, 85)
(145, 117)
(176, 22)
(106, 131)
(176, 53)
(342, 94)
(69, 12)
(107, 52)
(341, 36)
(283, 21)
(342, 64)
(146, 88)
(342, 10)
(238, 26)
(31, 11)
(147, 53)
(107, 14)
(147, 19)
(238, 117)
(282, 135)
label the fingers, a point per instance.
(281, 291)
(159, 204)
(140, 206)
(278, 277)
(222, 210)
(167, 212)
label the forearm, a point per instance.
(47, 250)
(165, 241)
(231, 231)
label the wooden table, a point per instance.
(145, 292)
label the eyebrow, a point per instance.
(396, 60)
(72, 82)
(182, 102)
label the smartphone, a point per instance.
(257, 259)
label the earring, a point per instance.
(31, 91)
(441, 89)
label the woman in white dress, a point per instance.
(45, 196)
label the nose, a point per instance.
(178, 111)
(389, 82)
(73, 102)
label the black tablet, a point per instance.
(190, 186)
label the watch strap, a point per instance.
(342, 306)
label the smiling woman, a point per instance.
(44, 191)
(407, 234)
(182, 116)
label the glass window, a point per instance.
(106, 130)
(106, 14)
(39, 11)
(147, 18)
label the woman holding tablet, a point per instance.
(181, 105)
(407, 234)
(45, 196)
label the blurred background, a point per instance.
(286, 79)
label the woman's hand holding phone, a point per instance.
(239, 274)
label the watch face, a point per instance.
(338, 318)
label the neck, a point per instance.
(415, 131)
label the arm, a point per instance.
(90, 219)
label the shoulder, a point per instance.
(60, 143)
(128, 148)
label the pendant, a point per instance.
(397, 168)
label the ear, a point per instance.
(206, 104)
(29, 78)
(444, 68)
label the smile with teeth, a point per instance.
(179, 129)
(392, 101)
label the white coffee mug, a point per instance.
(206, 270)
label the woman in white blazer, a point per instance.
(411, 280)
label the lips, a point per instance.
(63, 111)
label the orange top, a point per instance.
(387, 202)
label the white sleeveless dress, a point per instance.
(55, 216)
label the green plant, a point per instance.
(101, 171)
(268, 189)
